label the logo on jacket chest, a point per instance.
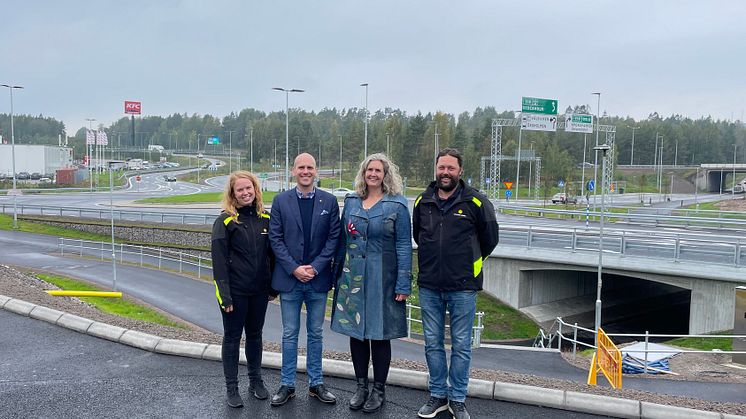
(460, 213)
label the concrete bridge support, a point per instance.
(524, 278)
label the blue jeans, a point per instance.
(462, 306)
(290, 306)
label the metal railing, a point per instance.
(168, 259)
(105, 214)
(718, 249)
(637, 214)
(477, 328)
(554, 337)
(674, 246)
(154, 257)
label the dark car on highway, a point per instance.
(168, 178)
(23, 176)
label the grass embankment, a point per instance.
(197, 198)
(703, 344)
(6, 223)
(115, 306)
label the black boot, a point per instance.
(361, 394)
(376, 398)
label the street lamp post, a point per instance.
(287, 132)
(604, 148)
(595, 159)
(365, 143)
(13, 154)
(530, 167)
(90, 158)
(251, 152)
(582, 186)
(676, 154)
(340, 160)
(230, 151)
(632, 153)
(733, 188)
(111, 209)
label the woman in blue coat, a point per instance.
(375, 275)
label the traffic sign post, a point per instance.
(591, 185)
(508, 194)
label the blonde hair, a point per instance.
(229, 203)
(392, 183)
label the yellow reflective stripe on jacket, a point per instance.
(264, 215)
(417, 201)
(217, 293)
(477, 267)
(475, 200)
(229, 219)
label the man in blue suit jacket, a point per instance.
(304, 229)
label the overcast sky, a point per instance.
(79, 60)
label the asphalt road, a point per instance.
(50, 371)
(194, 301)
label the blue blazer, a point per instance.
(286, 238)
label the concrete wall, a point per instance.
(525, 277)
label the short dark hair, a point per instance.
(453, 152)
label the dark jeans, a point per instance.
(248, 314)
(361, 352)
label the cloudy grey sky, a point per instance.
(82, 59)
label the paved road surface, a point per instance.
(49, 371)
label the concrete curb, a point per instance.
(518, 393)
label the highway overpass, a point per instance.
(546, 283)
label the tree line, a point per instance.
(410, 139)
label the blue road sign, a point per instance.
(508, 193)
(561, 183)
(591, 185)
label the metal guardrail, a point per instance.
(722, 249)
(105, 214)
(638, 217)
(160, 258)
(549, 338)
(673, 246)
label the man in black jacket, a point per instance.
(455, 229)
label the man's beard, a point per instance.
(451, 185)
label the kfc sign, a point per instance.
(132, 108)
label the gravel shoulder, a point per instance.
(19, 284)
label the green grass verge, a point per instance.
(197, 198)
(116, 306)
(703, 344)
(6, 223)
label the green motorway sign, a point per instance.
(582, 119)
(536, 105)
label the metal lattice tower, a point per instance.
(496, 156)
(495, 151)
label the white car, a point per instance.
(341, 192)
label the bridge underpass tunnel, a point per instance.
(629, 305)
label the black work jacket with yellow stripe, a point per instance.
(453, 244)
(242, 258)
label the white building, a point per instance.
(44, 159)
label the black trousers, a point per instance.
(363, 350)
(248, 314)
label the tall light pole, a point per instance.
(13, 154)
(90, 158)
(530, 167)
(251, 153)
(365, 143)
(287, 132)
(632, 153)
(733, 188)
(595, 159)
(676, 154)
(230, 151)
(604, 148)
(582, 188)
(340, 160)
